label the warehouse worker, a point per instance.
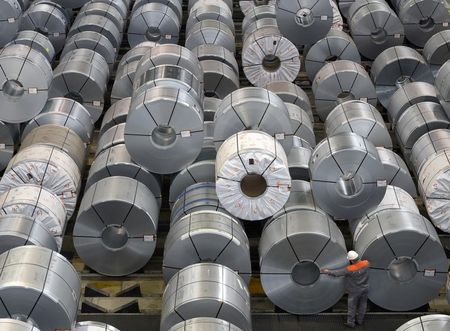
(357, 286)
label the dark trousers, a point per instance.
(357, 306)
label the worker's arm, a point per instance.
(336, 272)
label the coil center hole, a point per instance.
(379, 36)
(344, 96)
(304, 17)
(426, 23)
(403, 269)
(305, 273)
(349, 185)
(163, 135)
(271, 62)
(253, 185)
(115, 236)
(402, 80)
(153, 34)
(13, 88)
(331, 58)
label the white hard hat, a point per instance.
(352, 255)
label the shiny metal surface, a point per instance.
(123, 81)
(19, 230)
(210, 106)
(410, 94)
(197, 197)
(396, 171)
(25, 80)
(217, 53)
(422, 19)
(418, 120)
(344, 6)
(408, 262)
(94, 41)
(305, 21)
(173, 127)
(103, 9)
(112, 137)
(256, 109)
(100, 24)
(9, 137)
(116, 114)
(259, 24)
(136, 53)
(397, 66)
(347, 176)
(336, 45)
(71, 4)
(116, 161)
(434, 322)
(293, 249)
(268, 56)
(374, 27)
(82, 75)
(298, 159)
(220, 79)
(8, 324)
(252, 175)
(154, 22)
(436, 50)
(64, 112)
(291, 93)
(115, 230)
(301, 125)
(219, 12)
(258, 13)
(341, 81)
(428, 145)
(210, 32)
(201, 323)
(442, 84)
(37, 41)
(207, 236)
(247, 6)
(46, 166)
(60, 137)
(121, 5)
(94, 326)
(175, 5)
(206, 290)
(46, 283)
(361, 118)
(38, 203)
(48, 18)
(194, 4)
(10, 15)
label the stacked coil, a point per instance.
(435, 51)
(94, 326)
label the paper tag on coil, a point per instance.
(381, 183)
(2, 146)
(32, 90)
(185, 134)
(168, 36)
(11, 20)
(56, 34)
(96, 103)
(279, 136)
(397, 36)
(429, 272)
(149, 237)
(323, 17)
(445, 24)
(363, 99)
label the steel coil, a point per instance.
(210, 107)
(36, 41)
(100, 24)
(429, 145)
(298, 159)
(103, 9)
(206, 290)
(220, 79)
(217, 53)
(199, 323)
(11, 13)
(115, 230)
(219, 12)
(71, 4)
(194, 4)
(442, 84)
(436, 51)
(9, 137)
(121, 5)
(112, 137)
(210, 32)
(123, 81)
(427, 323)
(8, 324)
(116, 114)
(258, 13)
(258, 24)
(94, 326)
(136, 53)
(301, 125)
(175, 5)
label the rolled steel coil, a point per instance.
(207, 323)
(123, 81)
(175, 5)
(38, 203)
(253, 108)
(207, 236)
(47, 284)
(20, 230)
(208, 151)
(217, 53)
(220, 79)
(427, 323)
(422, 19)
(210, 32)
(344, 6)
(25, 81)
(48, 18)
(374, 27)
(116, 114)
(112, 137)
(60, 137)
(225, 295)
(115, 230)
(442, 84)
(291, 93)
(252, 175)
(197, 197)
(267, 56)
(136, 53)
(116, 161)
(174, 124)
(341, 81)
(94, 41)
(416, 121)
(397, 66)
(9, 324)
(247, 6)
(36, 41)
(347, 176)
(82, 75)
(94, 326)
(396, 171)
(64, 112)
(293, 249)
(46, 166)
(11, 14)
(408, 95)
(301, 124)
(258, 24)
(258, 13)
(336, 45)
(361, 118)
(103, 9)
(429, 145)
(219, 12)
(305, 21)
(298, 159)
(194, 4)
(154, 22)
(210, 106)
(71, 4)
(121, 5)
(408, 262)
(100, 24)
(9, 137)
(436, 50)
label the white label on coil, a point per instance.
(445, 24)
(32, 90)
(96, 103)
(381, 183)
(168, 36)
(2, 146)
(149, 237)
(283, 188)
(11, 20)
(185, 134)
(363, 99)
(397, 35)
(56, 34)
(279, 136)
(323, 18)
(429, 272)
